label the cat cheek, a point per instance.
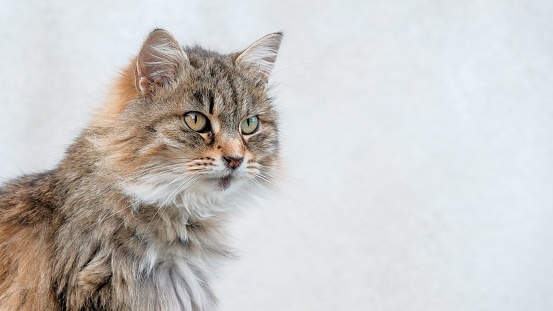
(263, 143)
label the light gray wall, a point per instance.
(417, 135)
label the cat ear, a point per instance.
(260, 57)
(159, 61)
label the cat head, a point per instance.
(186, 122)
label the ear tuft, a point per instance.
(159, 62)
(260, 57)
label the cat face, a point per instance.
(198, 124)
(217, 128)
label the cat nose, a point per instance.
(233, 162)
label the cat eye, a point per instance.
(196, 122)
(249, 126)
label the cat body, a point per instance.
(133, 217)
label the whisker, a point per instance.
(292, 66)
(258, 185)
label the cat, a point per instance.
(133, 216)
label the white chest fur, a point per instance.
(177, 272)
(181, 286)
(174, 280)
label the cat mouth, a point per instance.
(224, 182)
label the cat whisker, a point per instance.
(267, 180)
(169, 184)
(179, 189)
(149, 173)
(260, 186)
(290, 78)
(292, 66)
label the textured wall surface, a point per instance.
(418, 138)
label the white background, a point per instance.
(417, 136)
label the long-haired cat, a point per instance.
(132, 218)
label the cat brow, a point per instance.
(200, 97)
(211, 102)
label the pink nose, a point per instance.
(233, 162)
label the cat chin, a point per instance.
(223, 184)
(204, 197)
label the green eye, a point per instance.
(249, 126)
(196, 122)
